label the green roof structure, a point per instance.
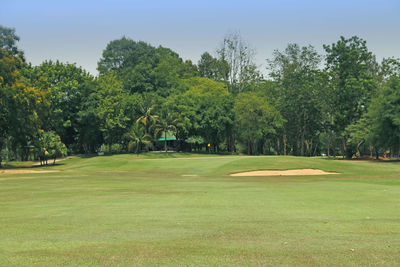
(170, 136)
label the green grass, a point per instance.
(185, 210)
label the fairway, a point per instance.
(186, 210)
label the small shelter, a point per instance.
(167, 140)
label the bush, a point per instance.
(116, 148)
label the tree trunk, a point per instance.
(398, 148)
(298, 152)
(6, 152)
(344, 148)
(165, 141)
(303, 131)
(358, 147)
(230, 141)
(307, 148)
(328, 144)
(315, 150)
(278, 146)
(284, 144)
(233, 142)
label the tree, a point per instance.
(238, 56)
(21, 99)
(200, 86)
(298, 87)
(204, 109)
(11, 61)
(384, 113)
(185, 107)
(213, 68)
(213, 111)
(377, 127)
(138, 136)
(111, 108)
(50, 146)
(89, 135)
(70, 87)
(256, 120)
(388, 68)
(165, 122)
(144, 68)
(360, 132)
(350, 66)
(207, 66)
(8, 43)
(147, 118)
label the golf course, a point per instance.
(178, 209)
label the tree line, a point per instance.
(343, 102)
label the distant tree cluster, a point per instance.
(341, 103)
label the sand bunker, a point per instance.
(284, 173)
(24, 171)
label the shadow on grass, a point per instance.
(366, 159)
(30, 166)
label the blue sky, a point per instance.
(78, 31)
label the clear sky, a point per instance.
(77, 31)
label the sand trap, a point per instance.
(284, 173)
(24, 171)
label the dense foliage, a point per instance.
(341, 103)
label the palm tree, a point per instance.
(147, 119)
(138, 135)
(165, 123)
